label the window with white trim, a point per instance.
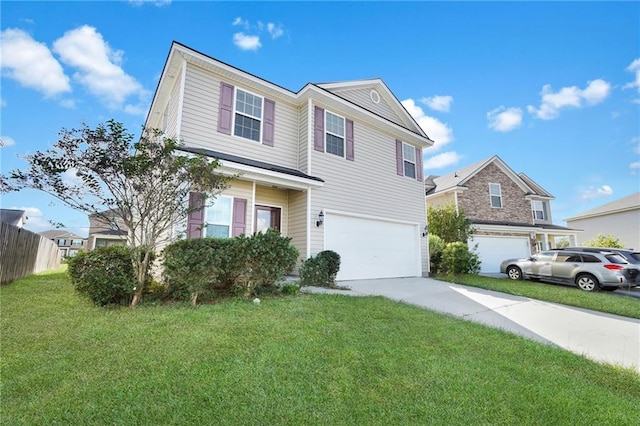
(496, 195)
(217, 217)
(409, 160)
(248, 115)
(539, 210)
(334, 134)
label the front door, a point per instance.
(267, 217)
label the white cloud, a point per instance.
(35, 219)
(552, 102)
(31, 63)
(634, 167)
(67, 103)
(635, 141)
(158, 3)
(276, 31)
(634, 67)
(3, 103)
(442, 160)
(596, 192)
(438, 102)
(242, 22)
(98, 66)
(71, 178)
(504, 119)
(246, 42)
(440, 133)
(6, 141)
(139, 109)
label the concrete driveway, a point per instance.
(602, 337)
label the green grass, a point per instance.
(599, 301)
(304, 360)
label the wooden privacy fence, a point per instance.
(24, 253)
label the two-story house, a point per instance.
(335, 166)
(68, 242)
(106, 229)
(509, 212)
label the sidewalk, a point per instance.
(602, 337)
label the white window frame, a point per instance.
(406, 160)
(337, 135)
(236, 113)
(537, 206)
(229, 225)
(498, 195)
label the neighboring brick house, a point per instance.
(510, 213)
(333, 166)
(103, 232)
(68, 242)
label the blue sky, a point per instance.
(552, 88)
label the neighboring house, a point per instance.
(13, 217)
(68, 242)
(106, 232)
(510, 213)
(619, 218)
(332, 166)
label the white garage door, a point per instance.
(371, 248)
(493, 250)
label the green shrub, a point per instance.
(604, 241)
(436, 247)
(290, 288)
(332, 261)
(458, 259)
(320, 270)
(105, 275)
(267, 258)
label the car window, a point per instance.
(589, 258)
(564, 257)
(635, 255)
(573, 258)
(615, 258)
(544, 256)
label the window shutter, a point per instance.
(239, 217)
(318, 129)
(195, 220)
(399, 161)
(269, 120)
(225, 110)
(419, 164)
(349, 148)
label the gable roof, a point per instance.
(11, 216)
(630, 202)
(457, 179)
(179, 53)
(60, 233)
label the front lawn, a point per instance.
(303, 360)
(602, 301)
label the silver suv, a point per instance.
(587, 271)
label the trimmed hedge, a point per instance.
(320, 270)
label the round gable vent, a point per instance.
(375, 96)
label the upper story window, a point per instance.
(409, 160)
(76, 242)
(248, 115)
(62, 242)
(496, 195)
(334, 134)
(218, 218)
(539, 210)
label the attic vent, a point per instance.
(375, 96)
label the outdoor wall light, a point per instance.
(425, 231)
(320, 220)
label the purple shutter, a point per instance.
(225, 111)
(419, 164)
(349, 126)
(269, 119)
(399, 160)
(239, 216)
(318, 129)
(195, 220)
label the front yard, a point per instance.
(301, 360)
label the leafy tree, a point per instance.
(604, 241)
(449, 223)
(104, 172)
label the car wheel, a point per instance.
(587, 282)
(514, 273)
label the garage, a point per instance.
(373, 247)
(492, 250)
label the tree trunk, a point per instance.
(194, 298)
(141, 267)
